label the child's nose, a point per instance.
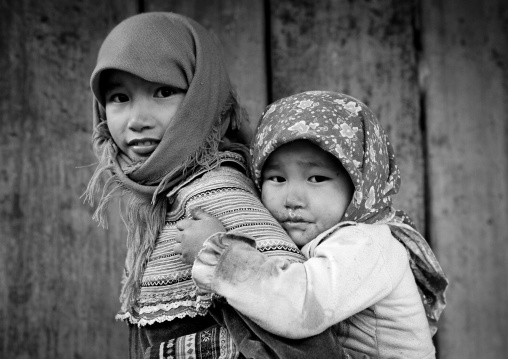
(295, 197)
(139, 119)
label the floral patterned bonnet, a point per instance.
(349, 130)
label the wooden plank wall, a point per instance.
(362, 48)
(435, 72)
(59, 272)
(240, 28)
(465, 80)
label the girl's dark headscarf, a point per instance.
(170, 49)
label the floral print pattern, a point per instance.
(344, 127)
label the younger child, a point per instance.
(327, 172)
(166, 131)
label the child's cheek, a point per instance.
(271, 203)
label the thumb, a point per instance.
(198, 213)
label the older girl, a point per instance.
(167, 133)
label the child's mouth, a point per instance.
(295, 224)
(143, 147)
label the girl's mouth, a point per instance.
(143, 147)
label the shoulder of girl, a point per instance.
(226, 175)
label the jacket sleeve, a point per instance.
(348, 272)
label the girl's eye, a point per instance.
(119, 98)
(318, 179)
(165, 92)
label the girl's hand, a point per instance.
(193, 232)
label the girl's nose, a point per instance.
(295, 197)
(139, 118)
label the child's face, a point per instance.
(138, 112)
(306, 189)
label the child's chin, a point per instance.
(300, 237)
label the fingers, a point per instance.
(179, 237)
(198, 213)
(184, 257)
(181, 225)
(177, 249)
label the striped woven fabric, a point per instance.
(167, 290)
(211, 343)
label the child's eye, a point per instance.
(118, 98)
(318, 179)
(165, 92)
(277, 179)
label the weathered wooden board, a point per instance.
(466, 64)
(59, 272)
(365, 49)
(240, 27)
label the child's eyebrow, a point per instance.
(273, 165)
(313, 163)
(111, 84)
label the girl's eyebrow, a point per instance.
(110, 81)
(111, 84)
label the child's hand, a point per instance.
(193, 232)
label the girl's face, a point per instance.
(138, 112)
(306, 189)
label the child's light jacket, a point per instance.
(356, 274)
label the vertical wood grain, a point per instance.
(59, 272)
(466, 84)
(240, 27)
(365, 49)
